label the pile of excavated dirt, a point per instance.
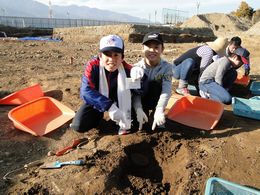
(23, 32)
(135, 33)
(219, 23)
(254, 30)
(256, 16)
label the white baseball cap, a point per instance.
(111, 43)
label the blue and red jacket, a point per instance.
(89, 90)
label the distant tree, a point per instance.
(244, 11)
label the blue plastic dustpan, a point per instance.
(249, 108)
(255, 87)
(220, 186)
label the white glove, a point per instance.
(136, 73)
(141, 117)
(159, 118)
(115, 114)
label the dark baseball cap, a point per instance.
(243, 53)
(153, 36)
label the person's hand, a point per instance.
(141, 117)
(137, 73)
(247, 69)
(115, 114)
(159, 118)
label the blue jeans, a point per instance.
(215, 91)
(183, 71)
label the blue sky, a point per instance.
(153, 8)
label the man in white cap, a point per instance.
(191, 64)
(103, 88)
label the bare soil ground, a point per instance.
(176, 160)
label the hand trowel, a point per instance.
(58, 164)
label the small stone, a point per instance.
(50, 153)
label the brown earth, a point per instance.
(218, 21)
(176, 160)
(254, 30)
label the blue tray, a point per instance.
(249, 108)
(255, 98)
(218, 186)
(255, 87)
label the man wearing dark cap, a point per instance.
(156, 75)
(211, 83)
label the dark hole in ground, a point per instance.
(142, 172)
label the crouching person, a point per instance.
(156, 75)
(212, 81)
(103, 88)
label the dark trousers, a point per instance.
(86, 118)
(151, 96)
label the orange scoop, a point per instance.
(23, 96)
(40, 116)
(196, 112)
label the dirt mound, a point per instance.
(256, 16)
(135, 33)
(254, 30)
(22, 32)
(218, 23)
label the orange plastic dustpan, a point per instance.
(40, 116)
(23, 96)
(196, 112)
(242, 80)
(174, 97)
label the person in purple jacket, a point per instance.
(103, 88)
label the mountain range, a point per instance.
(31, 8)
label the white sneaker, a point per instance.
(183, 91)
(123, 131)
(204, 94)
